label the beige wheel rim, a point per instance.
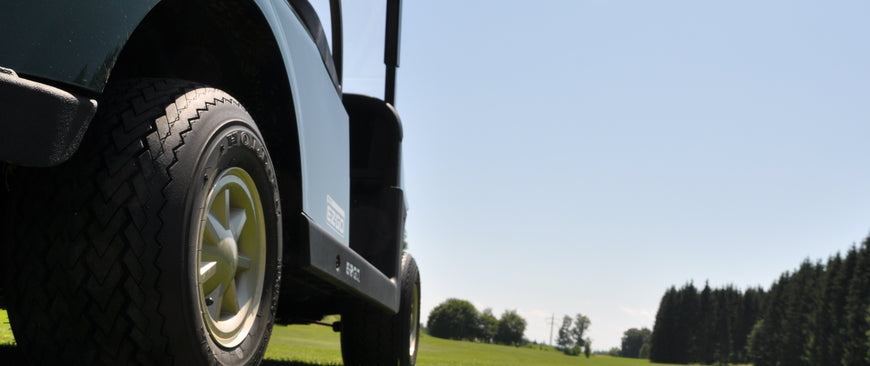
(231, 257)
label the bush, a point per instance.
(573, 351)
(454, 319)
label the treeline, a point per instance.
(459, 320)
(816, 315)
(707, 326)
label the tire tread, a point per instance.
(370, 337)
(89, 251)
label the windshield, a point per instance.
(363, 43)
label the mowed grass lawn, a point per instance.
(313, 345)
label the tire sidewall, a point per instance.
(222, 137)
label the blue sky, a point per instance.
(567, 157)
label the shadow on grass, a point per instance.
(9, 355)
(295, 363)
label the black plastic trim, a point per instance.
(377, 205)
(337, 39)
(392, 40)
(336, 263)
(41, 125)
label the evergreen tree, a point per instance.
(787, 318)
(867, 357)
(704, 346)
(801, 300)
(688, 320)
(662, 349)
(765, 339)
(825, 339)
(850, 263)
(674, 330)
(738, 339)
(747, 316)
(587, 347)
(755, 344)
(722, 325)
(855, 348)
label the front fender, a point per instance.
(71, 42)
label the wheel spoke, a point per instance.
(220, 208)
(207, 270)
(244, 263)
(214, 231)
(226, 207)
(230, 301)
(238, 218)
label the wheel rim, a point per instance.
(231, 257)
(415, 320)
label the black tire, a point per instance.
(108, 250)
(370, 337)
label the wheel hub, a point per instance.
(228, 251)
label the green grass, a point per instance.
(317, 345)
(441, 352)
(6, 337)
(314, 345)
(310, 344)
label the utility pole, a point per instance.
(552, 320)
